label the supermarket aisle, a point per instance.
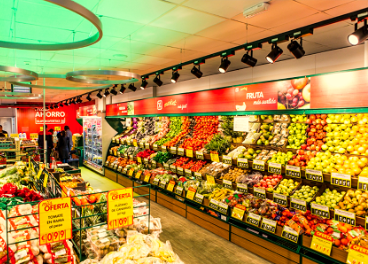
(192, 243)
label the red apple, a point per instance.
(324, 116)
(303, 146)
(291, 162)
(312, 117)
(318, 148)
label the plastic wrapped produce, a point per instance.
(250, 179)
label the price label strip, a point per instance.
(166, 166)
(130, 172)
(189, 153)
(253, 219)
(179, 190)
(170, 186)
(135, 144)
(345, 217)
(242, 163)
(227, 160)
(223, 207)
(173, 150)
(147, 146)
(214, 204)
(362, 183)
(274, 168)
(163, 148)
(258, 165)
(238, 212)
(290, 234)
(293, 171)
(120, 168)
(180, 171)
(280, 199)
(241, 187)
(155, 147)
(357, 254)
(162, 184)
(138, 175)
(139, 159)
(188, 173)
(298, 204)
(268, 225)
(259, 192)
(227, 184)
(215, 156)
(198, 176)
(190, 193)
(153, 164)
(124, 171)
(181, 151)
(198, 198)
(314, 175)
(141, 145)
(199, 155)
(155, 181)
(322, 243)
(339, 179)
(147, 177)
(55, 220)
(145, 160)
(173, 168)
(320, 210)
(119, 208)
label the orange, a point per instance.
(352, 133)
(354, 119)
(346, 166)
(344, 157)
(338, 166)
(362, 130)
(341, 170)
(339, 161)
(350, 172)
(355, 152)
(354, 158)
(360, 116)
(357, 171)
(353, 165)
(365, 160)
(355, 128)
(356, 147)
(361, 164)
(350, 148)
(361, 149)
(359, 136)
(355, 141)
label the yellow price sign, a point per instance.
(139, 159)
(190, 193)
(130, 172)
(210, 179)
(238, 212)
(357, 254)
(135, 144)
(170, 186)
(189, 153)
(215, 156)
(14, 135)
(138, 174)
(147, 177)
(119, 208)
(55, 220)
(322, 243)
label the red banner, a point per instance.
(117, 109)
(89, 110)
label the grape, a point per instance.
(280, 94)
(293, 104)
(288, 96)
(282, 97)
(295, 92)
(295, 100)
(290, 91)
(301, 103)
(300, 95)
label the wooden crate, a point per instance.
(208, 222)
(111, 175)
(126, 182)
(263, 248)
(172, 204)
(145, 190)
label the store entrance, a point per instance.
(8, 124)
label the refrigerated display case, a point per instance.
(92, 137)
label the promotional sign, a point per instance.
(357, 254)
(55, 116)
(88, 110)
(119, 208)
(322, 243)
(55, 220)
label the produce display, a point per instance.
(297, 133)
(269, 182)
(306, 193)
(330, 198)
(286, 186)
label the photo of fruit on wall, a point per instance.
(295, 95)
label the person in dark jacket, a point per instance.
(63, 146)
(49, 145)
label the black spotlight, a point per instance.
(175, 76)
(56, 106)
(157, 80)
(144, 83)
(197, 71)
(51, 107)
(249, 59)
(89, 97)
(99, 95)
(113, 91)
(106, 93)
(73, 101)
(225, 63)
(359, 35)
(61, 104)
(79, 100)
(132, 87)
(275, 53)
(122, 89)
(296, 49)
(47, 108)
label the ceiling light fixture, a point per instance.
(175, 76)
(157, 79)
(61, 104)
(89, 97)
(122, 89)
(56, 106)
(99, 94)
(296, 49)
(73, 101)
(249, 59)
(52, 107)
(197, 71)
(132, 87)
(144, 83)
(359, 35)
(225, 63)
(79, 100)
(106, 93)
(113, 91)
(275, 53)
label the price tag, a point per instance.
(170, 186)
(357, 254)
(135, 144)
(60, 211)
(223, 207)
(162, 184)
(141, 145)
(253, 219)
(259, 192)
(293, 171)
(129, 142)
(362, 183)
(111, 153)
(215, 156)
(339, 179)
(119, 208)
(241, 187)
(122, 141)
(163, 148)
(147, 146)
(147, 177)
(298, 204)
(198, 176)
(238, 212)
(124, 171)
(154, 164)
(145, 160)
(210, 179)
(198, 198)
(189, 153)
(107, 163)
(173, 168)
(180, 171)
(138, 174)
(242, 163)
(199, 155)
(290, 234)
(130, 172)
(280, 199)
(345, 217)
(258, 165)
(320, 210)
(227, 184)
(166, 166)
(120, 168)
(322, 243)
(179, 190)
(227, 160)
(274, 168)
(173, 150)
(214, 204)
(155, 147)
(139, 159)
(115, 166)
(190, 193)
(181, 151)
(314, 175)
(188, 173)
(155, 181)
(268, 225)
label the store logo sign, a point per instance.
(51, 116)
(159, 105)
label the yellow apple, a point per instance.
(306, 93)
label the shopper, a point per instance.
(49, 144)
(3, 131)
(69, 135)
(63, 146)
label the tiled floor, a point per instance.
(192, 243)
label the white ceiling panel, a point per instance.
(348, 7)
(202, 44)
(323, 5)
(158, 35)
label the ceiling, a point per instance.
(143, 36)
